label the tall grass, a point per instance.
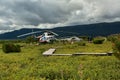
(89, 47)
(31, 65)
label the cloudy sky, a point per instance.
(17, 14)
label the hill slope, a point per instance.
(100, 29)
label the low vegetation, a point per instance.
(30, 39)
(77, 48)
(116, 49)
(82, 43)
(115, 39)
(29, 64)
(98, 40)
(10, 47)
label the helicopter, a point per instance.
(46, 36)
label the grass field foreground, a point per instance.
(31, 65)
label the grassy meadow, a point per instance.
(30, 64)
(90, 47)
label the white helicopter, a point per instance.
(47, 36)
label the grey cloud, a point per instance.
(5, 27)
(53, 13)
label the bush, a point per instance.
(113, 37)
(17, 48)
(98, 40)
(86, 38)
(116, 49)
(30, 39)
(82, 43)
(9, 47)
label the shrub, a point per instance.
(116, 49)
(113, 37)
(17, 48)
(98, 40)
(86, 38)
(30, 39)
(9, 47)
(82, 43)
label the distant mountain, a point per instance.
(100, 29)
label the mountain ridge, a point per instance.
(98, 29)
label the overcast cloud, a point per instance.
(16, 14)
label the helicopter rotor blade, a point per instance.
(54, 33)
(69, 32)
(29, 33)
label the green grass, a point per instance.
(31, 65)
(90, 47)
